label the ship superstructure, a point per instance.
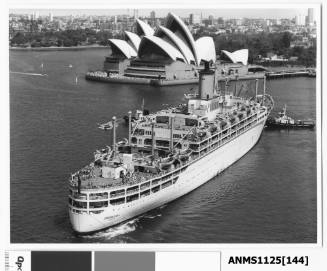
(167, 154)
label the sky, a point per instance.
(271, 13)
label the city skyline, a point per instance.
(256, 13)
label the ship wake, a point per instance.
(115, 231)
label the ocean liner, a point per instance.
(167, 154)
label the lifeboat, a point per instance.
(185, 155)
(167, 162)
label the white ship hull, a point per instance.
(197, 173)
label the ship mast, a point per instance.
(129, 126)
(235, 86)
(171, 143)
(256, 89)
(224, 96)
(142, 105)
(264, 90)
(152, 134)
(114, 136)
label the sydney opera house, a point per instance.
(167, 55)
(169, 52)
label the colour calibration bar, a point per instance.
(111, 261)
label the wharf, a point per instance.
(291, 73)
(121, 79)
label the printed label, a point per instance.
(17, 261)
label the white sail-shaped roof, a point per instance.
(133, 39)
(238, 56)
(206, 49)
(123, 47)
(178, 43)
(168, 49)
(145, 28)
(177, 26)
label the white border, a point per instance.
(86, 4)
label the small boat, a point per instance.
(106, 126)
(285, 122)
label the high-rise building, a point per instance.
(195, 18)
(50, 17)
(136, 13)
(211, 20)
(300, 19)
(35, 15)
(153, 15)
(221, 21)
(310, 16)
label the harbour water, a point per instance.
(268, 196)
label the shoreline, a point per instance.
(53, 48)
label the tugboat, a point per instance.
(285, 122)
(105, 126)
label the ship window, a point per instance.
(194, 146)
(134, 140)
(147, 141)
(175, 180)
(80, 212)
(96, 212)
(162, 143)
(162, 119)
(156, 181)
(139, 131)
(117, 193)
(145, 193)
(177, 136)
(155, 189)
(132, 198)
(145, 185)
(191, 122)
(98, 196)
(132, 189)
(70, 201)
(117, 201)
(70, 192)
(166, 177)
(98, 204)
(76, 195)
(79, 204)
(166, 184)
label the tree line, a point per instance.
(65, 38)
(259, 44)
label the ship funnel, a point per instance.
(206, 82)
